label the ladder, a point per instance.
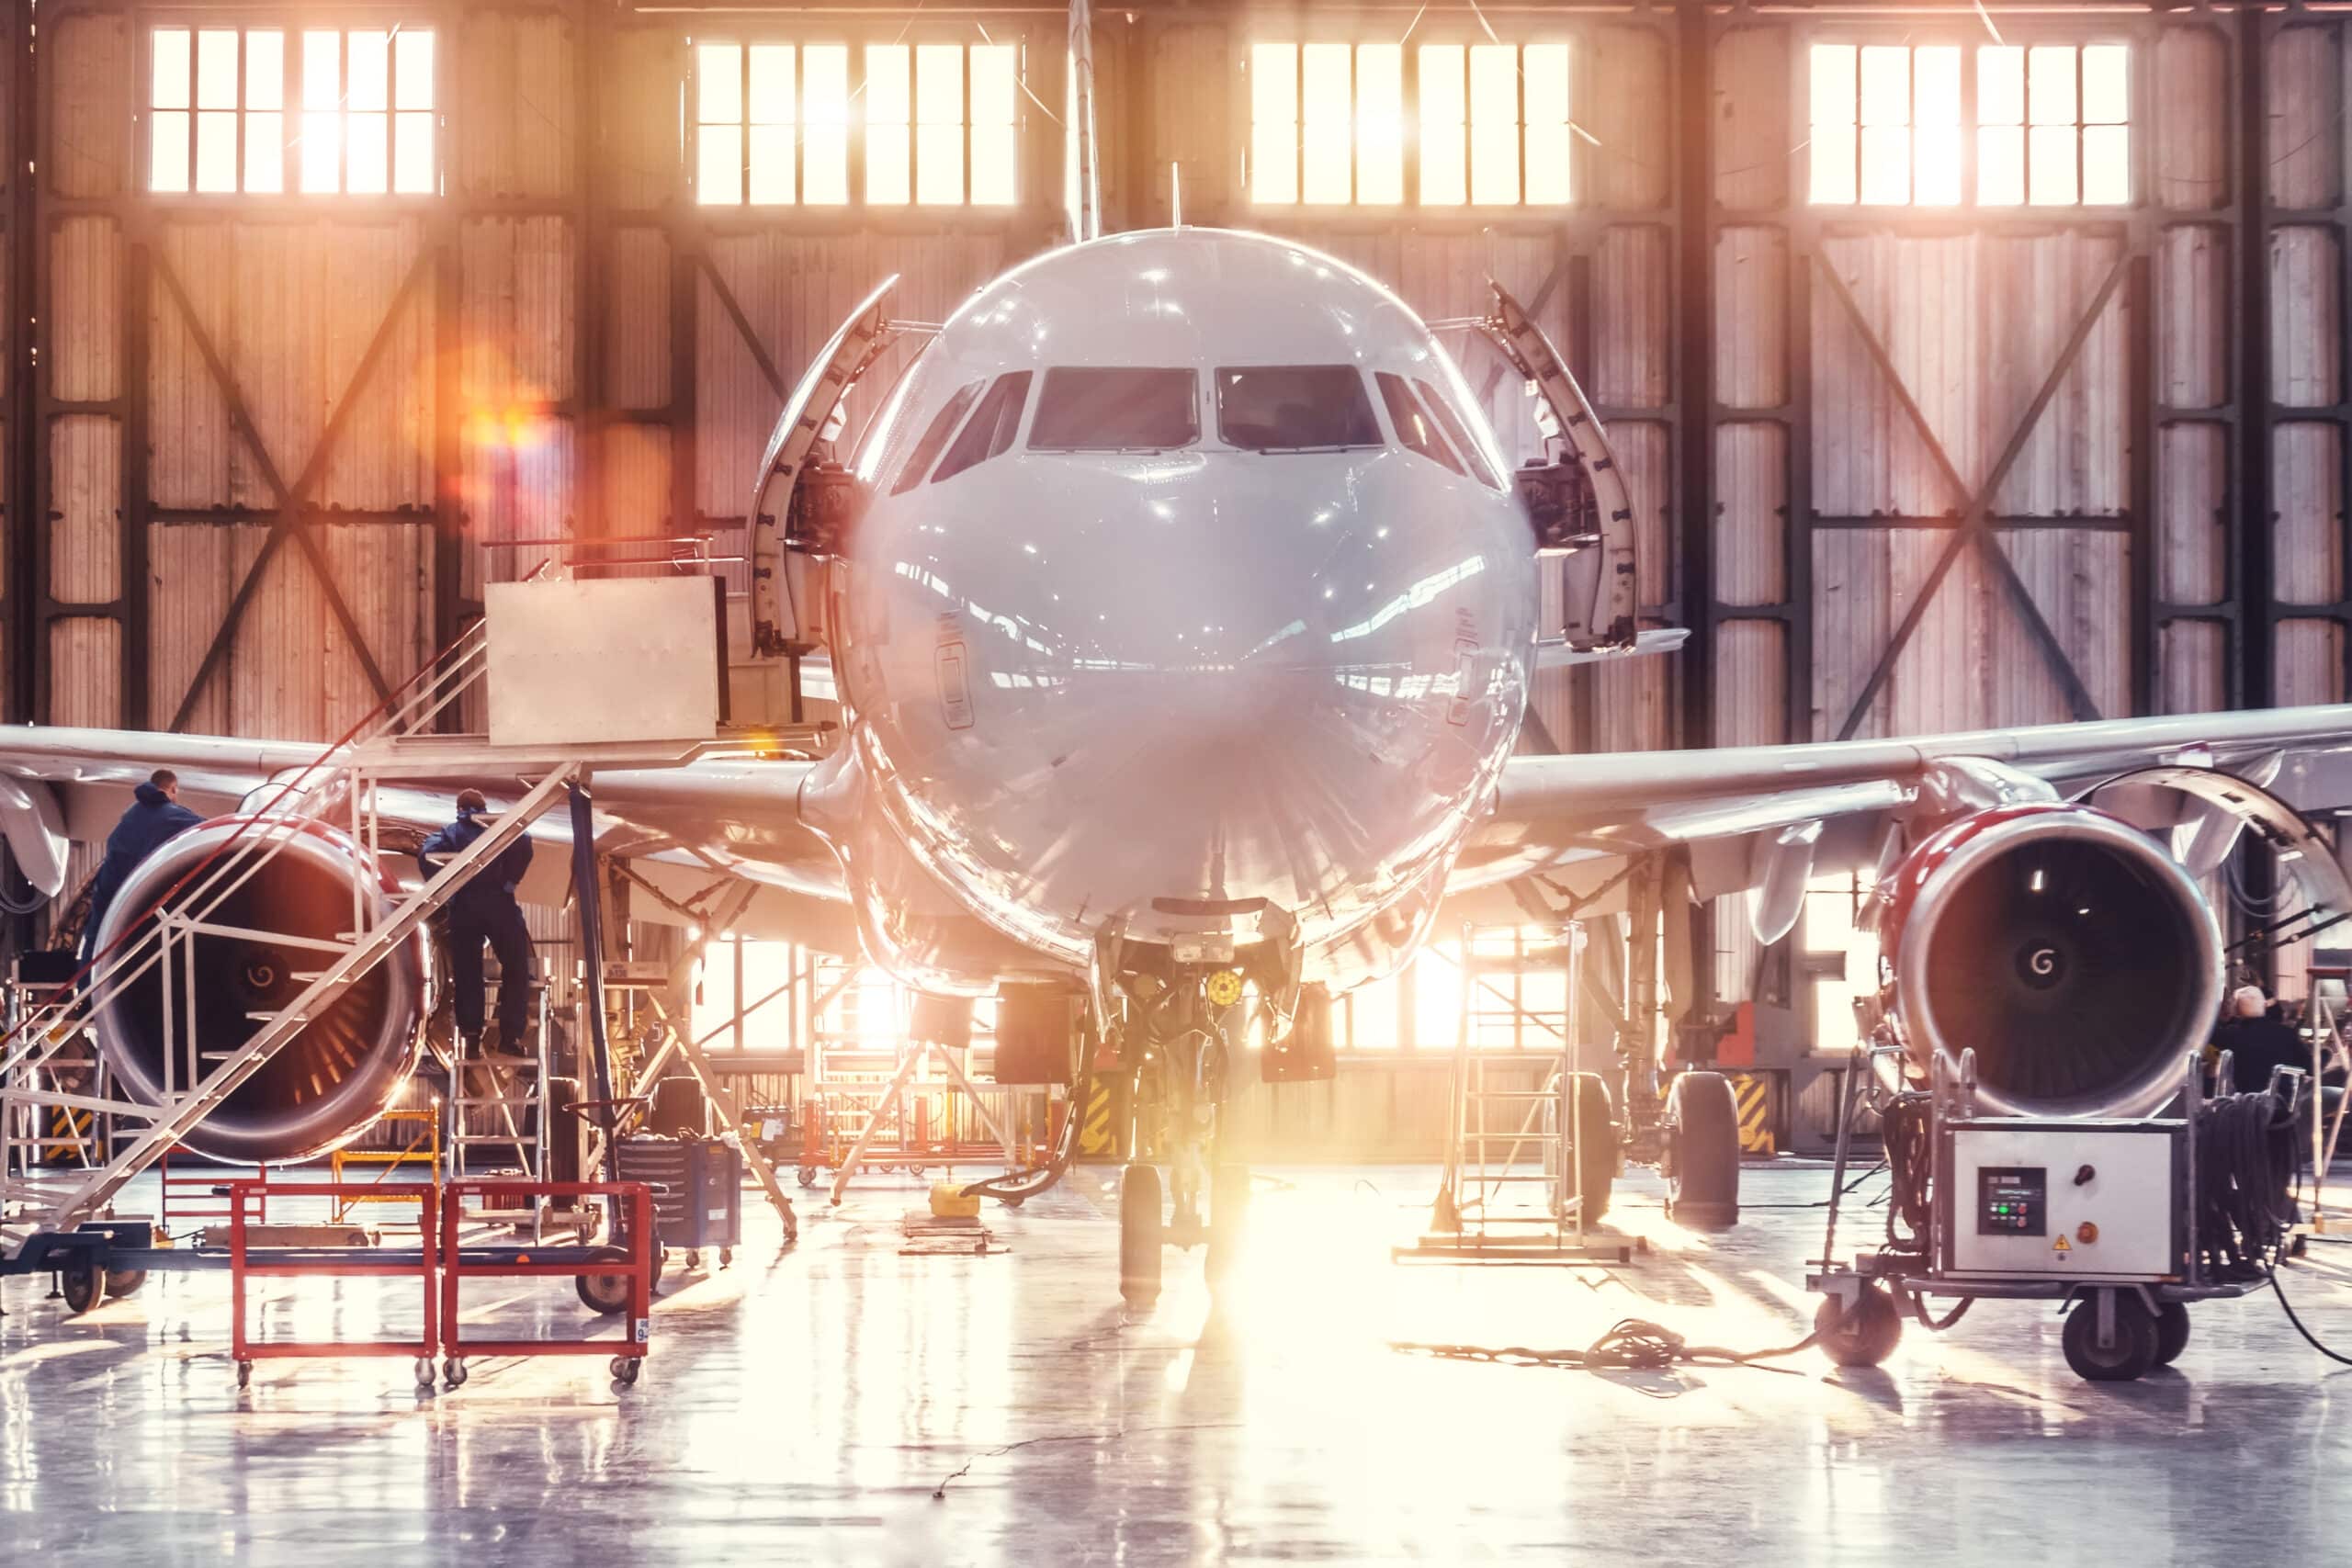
(1512, 1131)
(506, 1111)
(29, 1206)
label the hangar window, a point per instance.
(1327, 124)
(1122, 408)
(363, 124)
(774, 124)
(2049, 125)
(1295, 408)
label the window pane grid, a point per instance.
(2039, 124)
(218, 120)
(1489, 124)
(934, 124)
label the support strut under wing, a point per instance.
(1578, 502)
(808, 515)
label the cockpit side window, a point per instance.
(1295, 408)
(1415, 429)
(1450, 422)
(926, 452)
(992, 427)
(1116, 408)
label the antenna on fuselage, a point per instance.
(1175, 194)
(1084, 187)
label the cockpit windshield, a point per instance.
(1295, 408)
(1121, 409)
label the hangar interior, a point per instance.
(1967, 368)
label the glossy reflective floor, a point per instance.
(814, 1405)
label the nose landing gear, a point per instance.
(1176, 1048)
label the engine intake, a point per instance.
(2066, 947)
(332, 1080)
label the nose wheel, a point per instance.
(1141, 1235)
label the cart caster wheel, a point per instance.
(453, 1373)
(605, 1294)
(2172, 1332)
(425, 1375)
(807, 1175)
(624, 1371)
(85, 1285)
(2131, 1355)
(694, 1257)
(244, 1374)
(1864, 1335)
(725, 1256)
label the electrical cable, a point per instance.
(1632, 1344)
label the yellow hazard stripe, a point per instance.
(1094, 1130)
(1752, 1093)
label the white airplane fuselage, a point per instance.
(1102, 663)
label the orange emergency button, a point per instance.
(2086, 1233)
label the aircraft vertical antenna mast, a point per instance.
(1085, 186)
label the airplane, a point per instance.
(1182, 607)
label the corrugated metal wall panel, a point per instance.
(88, 149)
(2191, 657)
(2192, 135)
(1751, 514)
(1632, 347)
(2305, 95)
(1200, 90)
(1750, 696)
(2306, 286)
(636, 308)
(190, 563)
(84, 672)
(187, 416)
(1752, 136)
(2308, 663)
(1751, 318)
(2192, 497)
(86, 309)
(2307, 499)
(519, 310)
(639, 124)
(277, 681)
(633, 464)
(386, 570)
(1632, 85)
(2077, 577)
(2192, 325)
(85, 507)
(517, 93)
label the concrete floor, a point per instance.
(812, 1406)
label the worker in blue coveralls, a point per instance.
(155, 818)
(484, 910)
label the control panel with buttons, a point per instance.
(2012, 1200)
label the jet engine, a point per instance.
(333, 1079)
(2066, 947)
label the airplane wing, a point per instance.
(1583, 814)
(678, 829)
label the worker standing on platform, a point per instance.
(155, 818)
(484, 910)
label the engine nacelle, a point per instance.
(2066, 947)
(331, 1080)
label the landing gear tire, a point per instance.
(1139, 1235)
(2131, 1355)
(85, 1285)
(1594, 1142)
(605, 1294)
(1862, 1336)
(1703, 1159)
(2172, 1332)
(1228, 1219)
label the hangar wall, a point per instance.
(1901, 470)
